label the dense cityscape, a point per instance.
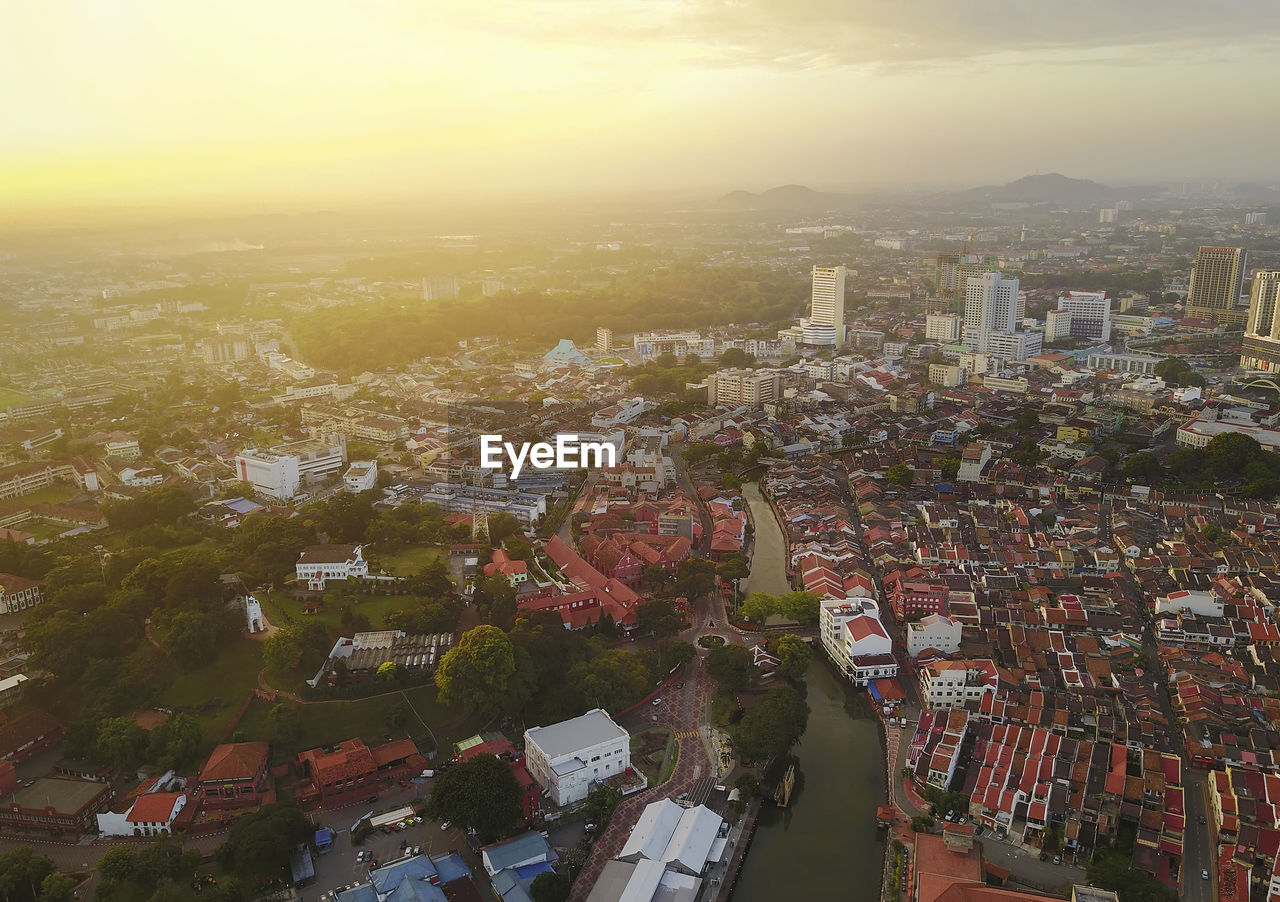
(665, 451)
(937, 535)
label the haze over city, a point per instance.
(290, 103)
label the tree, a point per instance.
(550, 886)
(601, 803)
(736, 357)
(21, 870)
(793, 654)
(57, 888)
(613, 680)
(676, 654)
(475, 673)
(501, 525)
(949, 466)
(798, 605)
(695, 577)
(900, 474)
(772, 725)
(284, 726)
(121, 741)
(481, 795)
(735, 566)
(118, 863)
(175, 742)
(259, 844)
(732, 665)
(387, 671)
(659, 617)
(748, 784)
(267, 547)
(1143, 468)
(1176, 371)
(922, 823)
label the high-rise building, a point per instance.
(1216, 279)
(993, 313)
(1260, 347)
(1255, 219)
(944, 327)
(604, 339)
(1090, 314)
(1057, 325)
(1107, 215)
(742, 387)
(827, 304)
(439, 288)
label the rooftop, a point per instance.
(570, 736)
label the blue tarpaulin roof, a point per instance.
(875, 693)
(324, 837)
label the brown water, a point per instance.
(825, 844)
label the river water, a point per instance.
(825, 844)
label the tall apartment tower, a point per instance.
(1090, 314)
(1216, 279)
(827, 304)
(943, 327)
(604, 339)
(990, 305)
(1260, 347)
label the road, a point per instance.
(1198, 847)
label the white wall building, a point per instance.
(320, 563)
(943, 327)
(990, 306)
(151, 814)
(281, 472)
(855, 639)
(1090, 314)
(569, 757)
(933, 631)
(951, 684)
(1196, 601)
(1057, 325)
(361, 476)
(827, 301)
(743, 388)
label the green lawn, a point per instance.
(11, 396)
(49, 494)
(658, 764)
(325, 723)
(375, 607)
(213, 693)
(406, 561)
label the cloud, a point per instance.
(807, 34)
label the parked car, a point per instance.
(657, 701)
(445, 825)
(1057, 859)
(428, 774)
(1204, 873)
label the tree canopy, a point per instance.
(732, 665)
(800, 606)
(771, 726)
(475, 673)
(481, 794)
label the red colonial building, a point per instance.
(235, 776)
(352, 770)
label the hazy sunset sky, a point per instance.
(110, 101)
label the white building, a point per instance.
(1195, 601)
(1057, 325)
(281, 472)
(1090, 314)
(455, 499)
(856, 640)
(17, 593)
(621, 413)
(933, 631)
(320, 563)
(946, 375)
(990, 307)
(951, 684)
(1199, 432)
(361, 476)
(743, 388)
(1014, 346)
(826, 308)
(140, 478)
(151, 814)
(681, 838)
(569, 758)
(1124, 363)
(943, 327)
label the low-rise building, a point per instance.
(361, 476)
(151, 814)
(951, 684)
(856, 641)
(320, 563)
(569, 757)
(933, 632)
(234, 776)
(17, 593)
(52, 805)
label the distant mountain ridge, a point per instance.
(1051, 187)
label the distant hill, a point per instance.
(1052, 188)
(786, 197)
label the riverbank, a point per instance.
(826, 840)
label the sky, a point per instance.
(321, 101)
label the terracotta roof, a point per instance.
(234, 761)
(328, 554)
(153, 808)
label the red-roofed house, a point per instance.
(501, 562)
(150, 814)
(235, 776)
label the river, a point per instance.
(825, 844)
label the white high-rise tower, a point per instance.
(827, 305)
